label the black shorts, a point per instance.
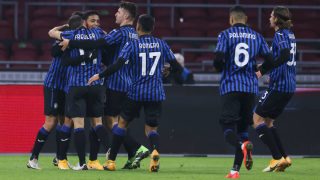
(54, 101)
(272, 103)
(237, 108)
(114, 102)
(152, 111)
(85, 101)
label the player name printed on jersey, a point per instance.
(84, 36)
(242, 35)
(149, 45)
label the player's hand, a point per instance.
(258, 73)
(64, 43)
(93, 78)
(166, 70)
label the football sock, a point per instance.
(80, 144)
(102, 134)
(278, 141)
(238, 157)
(130, 145)
(58, 140)
(154, 140)
(117, 139)
(94, 145)
(64, 141)
(244, 136)
(232, 138)
(267, 138)
(39, 142)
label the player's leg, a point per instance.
(119, 131)
(114, 104)
(50, 110)
(230, 116)
(60, 118)
(98, 133)
(77, 111)
(40, 140)
(152, 112)
(64, 141)
(247, 105)
(282, 101)
(265, 109)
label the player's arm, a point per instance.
(108, 71)
(85, 56)
(107, 40)
(270, 64)
(87, 44)
(218, 62)
(177, 71)
(56, 32)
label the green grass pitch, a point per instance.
(171, 168)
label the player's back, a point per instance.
(117, 38)
(80, 74)
(240, 45)
(56, 76)
(148, 57)
(283, 78)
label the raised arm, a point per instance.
(56, 33)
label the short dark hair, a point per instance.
(146, 22)
(88, 13)
(79, 13)
(238, 9)
(238, 12)
(75, 21)
(283, 16)
(130, 7)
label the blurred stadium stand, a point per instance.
(189, 26)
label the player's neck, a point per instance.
(276, 28)
(143, 33)
(125, 23)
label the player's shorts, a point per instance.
(54, 101)
(237, 108)
(114, 102)
(272, 103)
(152, 111)
(85, 101)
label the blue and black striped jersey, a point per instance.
(117, 38)
(283, 78)
(146, 58)
(80, 74)
(57, 75)
(240, 45)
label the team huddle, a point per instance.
(110, 77)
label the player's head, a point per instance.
(79, 13)
(75, 21)
(91, 19)
(237, 15)
(280, 18)
(126, 13)
(145, 24)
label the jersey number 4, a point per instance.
(152, 55)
